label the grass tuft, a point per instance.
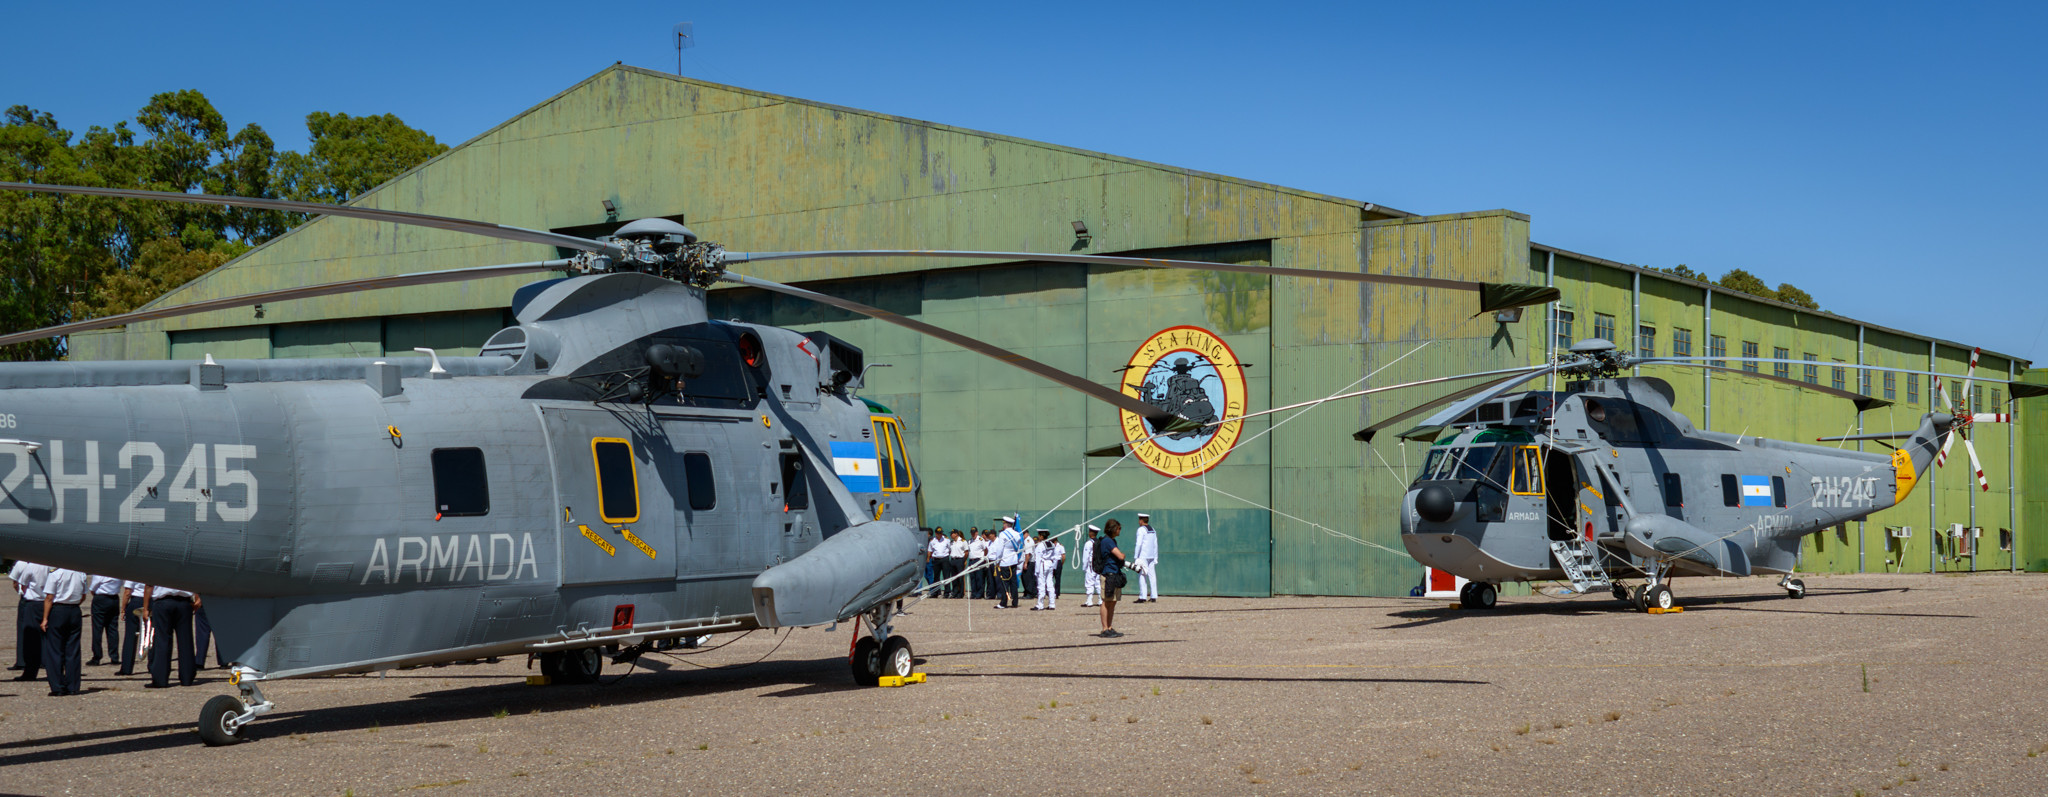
(1207, 721)
(501, 713)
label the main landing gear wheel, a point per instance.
(580, 666)
(1483, 595)
(216, 721)
(1636, 598)
(1465, 593)
(867, 661)
(1795, 589)
(1658, 597)
(896, 658)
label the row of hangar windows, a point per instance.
(1717, 346)
(461, 488)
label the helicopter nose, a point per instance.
(1435, 503)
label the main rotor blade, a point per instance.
(1492, 295)
(2017, 386)
(1863, 403)
(1465, 399)
(483, 228)
(1090, 389)
(306, 292)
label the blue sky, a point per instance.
(1886, 157)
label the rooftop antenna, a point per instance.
(685, 39)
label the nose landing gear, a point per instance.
(880, 653)
(222, 718)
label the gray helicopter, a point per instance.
(1604, 480)
(615, 471)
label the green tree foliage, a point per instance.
(1682, 271)
(1744, 282)
(1789, 294)
(66, 258)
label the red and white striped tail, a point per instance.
(1991, 417)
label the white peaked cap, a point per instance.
(1093, 527)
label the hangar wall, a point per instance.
(762, 172)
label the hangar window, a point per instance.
(460, 488)
(1781, 370)
(1561, 321)
(1717, 348)
(1840, 378)
(1996, 405)
(1812, 373)
(1646, 340)
(618, 480)
(1750, 355)
(1912, 388)
(1863, 381)
(1603, 327)
(1891, 385)
(697, 476)
(1976, 398)
(1681, 342)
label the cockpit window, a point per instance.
(1471, 462)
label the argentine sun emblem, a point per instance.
(1190, 372)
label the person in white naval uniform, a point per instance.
(1091, 581)
(1145, 549)
(1048, 557)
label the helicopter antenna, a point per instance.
(686, 38)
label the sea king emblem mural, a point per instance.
(1190, 372)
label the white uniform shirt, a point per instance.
(1009, 548)
(1146, 546)
(161, 593)
(941, 548)
(136, 589)
(65, 586)
(29, 576)
(1050, 554)
(978, 549)
(105, 585)
(1087, 560)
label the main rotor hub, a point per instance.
(659, 247)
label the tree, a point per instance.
(1682, 271)
(65, 258)
(351, 155)
(1789, 294)
(1744, 282)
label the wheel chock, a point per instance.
(1672, 610)
(538, 680)
(901, 680)
(1457, 606)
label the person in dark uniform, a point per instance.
(106, 619)
(955, 565)
(28, 580)
(62, 621)
(134, 612)
(171, 614)
(202, 630)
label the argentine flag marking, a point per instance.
(1756, 491)
(855, 464)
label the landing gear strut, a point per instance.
(1654, 593)
(880, 653)
(222, 718)
(1794, 588)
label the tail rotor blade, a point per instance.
(1948, 438)
(1976, 466)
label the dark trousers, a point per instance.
(1056, 573)
(1006, 586)
(979, 582)
(931, 571)
(28, 641)
(172, 616)
(106, 625)
(203, 631)
(1030, 578)
(131, 634)
(954, 567)
(60, 648)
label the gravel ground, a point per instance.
(1743, 693)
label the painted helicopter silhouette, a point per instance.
(615, 470)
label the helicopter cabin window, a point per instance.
(1646, 341)
(1912, 388)
(1749, 354)
(618, 480)
(1778, 491)
(460, 487)
(1731, 490)
(1681, 342)
(1717, 347)
(1839, 379)
(1528, 476)
(796, 493)
(1561, 323)
(896, 474)
(1674, 490)
(1433, 463)
(1603, 326)
(1812, 374)
(1781, 370)
(698, 478)
(1891, 385)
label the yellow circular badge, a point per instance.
(1192, 373)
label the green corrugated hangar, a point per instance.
(1296, 507)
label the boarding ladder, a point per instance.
(1580, 558)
